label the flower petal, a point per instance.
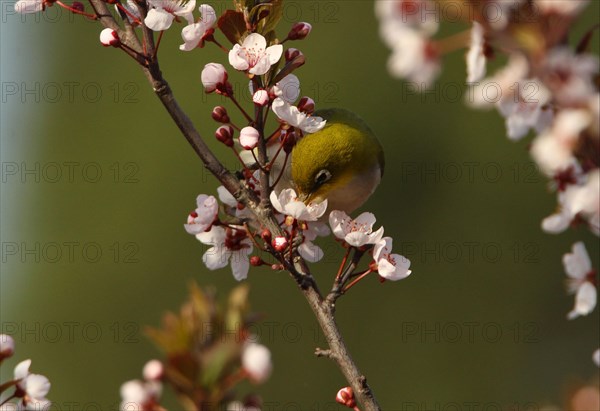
(240, 265)
(578, 264)
(585, 300)
(158, 19)
(216, 257)
(22, 369)
(310, 251)
(236, 60)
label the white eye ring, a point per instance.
(322, 177)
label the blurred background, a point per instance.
(97, 183)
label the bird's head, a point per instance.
(342, 163)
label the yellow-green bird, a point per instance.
(343, 162)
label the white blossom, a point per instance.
(295, 118)
(578, 268)
(193, 34)
(390, 266)
(230, 245)
(414, 58)
(29, 6)
(254, 56)
(7, 346)
(256, 361)
(476, 60)
(357, 232)
(204, 215)
(288, 203)
(162, 13)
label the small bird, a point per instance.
(342, 163)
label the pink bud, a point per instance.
(299, 31)
(306, 105)
(7, 346)
(280, 244)
(225, 135)
(219, 114)
(291, 54)
(213, 76)
(78, 6)
(153, 370)
(345, 396)
(256, 261)
(109, 37)
(261, 98)
(266, 235)
(249, 138)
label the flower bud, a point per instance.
(261, 98)
(225, 135)
(220, 115)
(256, 361)
(78, 6)
(256, 261)
(345, 396)
(266, 235)
(7, 346)
(213, 76)
(299, 31)
(280, 244)
(290, 141)
(249, 138)
(306, 105)
(153, 370)
(109, 37)
(291, 54)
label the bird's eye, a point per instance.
(322, 177)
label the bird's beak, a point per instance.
(304, 197)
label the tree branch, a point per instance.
(323, 310)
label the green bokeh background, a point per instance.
(506, 299)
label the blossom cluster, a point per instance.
(546, 86)
(30, 389)
(232, 244)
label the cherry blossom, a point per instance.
(553, 149)
(33, 387)
(570, 76)
(249, 137)
(288, 203)
(256, 361)
(29, 6)
(140, 395)
(7, 346)
(579, 270)
(295, 118)
(357, 232)
(476, 60)
(287, 88)
(254, 56)
(397, 16)
(205, 214)
(308, 250)
(390, 266)
(229, 245)
(577, 200)
(194, 34)
(109, 37)
(526, 109)
(414, 58)
(163, 12)
(213, 77)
